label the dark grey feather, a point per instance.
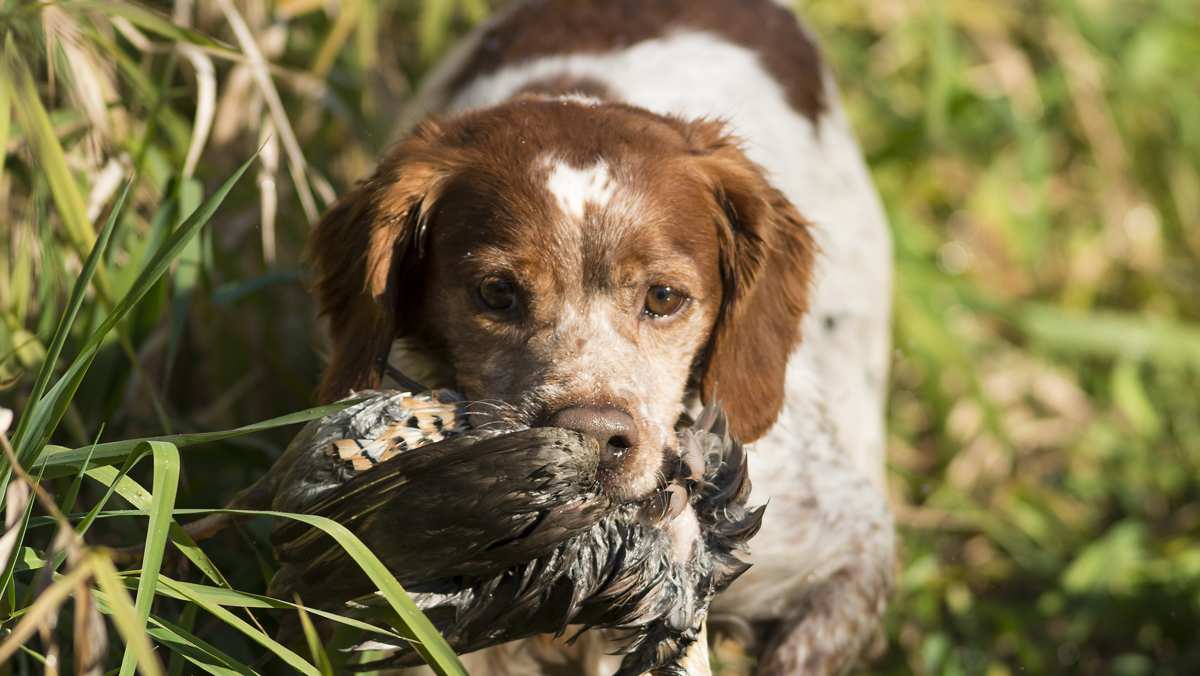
(504, 532)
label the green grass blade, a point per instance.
(81, 528)
(47, 412)
(233, 598)
(315, 648)
(1108, 334)
(68, 501)
(46, 605)
(253, 633)
(61, 461)
(149, 21)
(188, 191)
(433, 27)
(204, 655)
(223, 595)
(139, 497)
(29, 559)
(97, 509)
(185, 544)
(46, 148)
(125, 615)
(166, 254)
(433, 648)
(475, 10)
(6, 578)
(5, 124)
(44, 414)
(181, 641)
(78, 291)
(187, 622)
(166, 483)
(26, 517)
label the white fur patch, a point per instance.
(574, 188)
(581, 99)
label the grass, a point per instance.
(1040, 163)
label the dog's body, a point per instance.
(587, 197)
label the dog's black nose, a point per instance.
(612, 427)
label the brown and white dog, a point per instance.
(625, 208)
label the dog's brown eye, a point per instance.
(498, 294)
(663, 301)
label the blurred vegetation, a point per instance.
(1040, 162)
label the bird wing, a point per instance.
(471, 505)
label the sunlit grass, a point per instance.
(95, 318)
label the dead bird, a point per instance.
(500, 531)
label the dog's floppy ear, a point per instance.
(766, 258)
(363, 253)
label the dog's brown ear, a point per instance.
(766, 257)
(363, 252)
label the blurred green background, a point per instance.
(1040, 163)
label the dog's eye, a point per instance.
(497, 293)
(663, 301)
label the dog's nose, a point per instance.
(612, 427)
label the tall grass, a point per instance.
(108, 111)
(1041, 167)
(1040, 162)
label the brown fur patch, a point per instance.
(539, 28)
(767, 257)
(353, 251)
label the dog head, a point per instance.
(587, 263)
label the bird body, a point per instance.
(501, 531)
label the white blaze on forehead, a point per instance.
(574, 188)
(581, 99)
